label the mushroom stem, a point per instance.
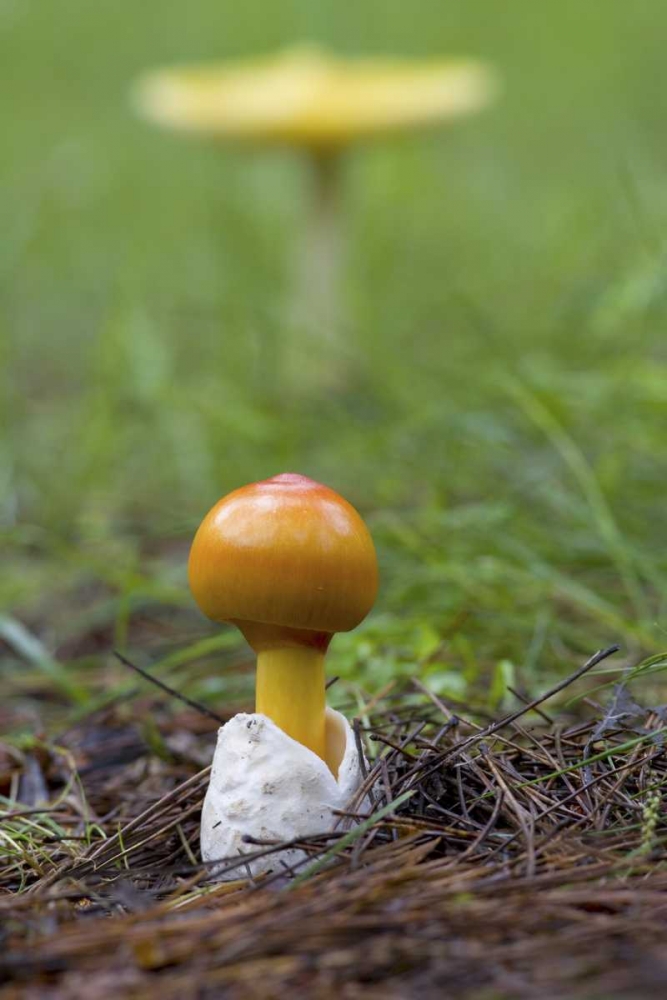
(319, 303)
(291, 692)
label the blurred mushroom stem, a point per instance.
(319, 306)
(291, 692)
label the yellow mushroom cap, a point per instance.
(304, 97)
(284, 552)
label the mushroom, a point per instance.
(306, 99)
(289, 562)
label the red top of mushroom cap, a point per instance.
(286, 551)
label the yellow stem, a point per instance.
(291, 692)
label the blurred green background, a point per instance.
(501, 420)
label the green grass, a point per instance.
(502, 417)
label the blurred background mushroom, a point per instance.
(309, 100)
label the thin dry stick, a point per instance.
(202, 709)
(508, 719)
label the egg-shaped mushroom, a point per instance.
(289, 562)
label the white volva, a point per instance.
(266, 785)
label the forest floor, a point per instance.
(518, 856)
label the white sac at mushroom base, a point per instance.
(266, 785)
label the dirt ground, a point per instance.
(517, 857)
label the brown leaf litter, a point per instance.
(520, 858)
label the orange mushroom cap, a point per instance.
(285, 552)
